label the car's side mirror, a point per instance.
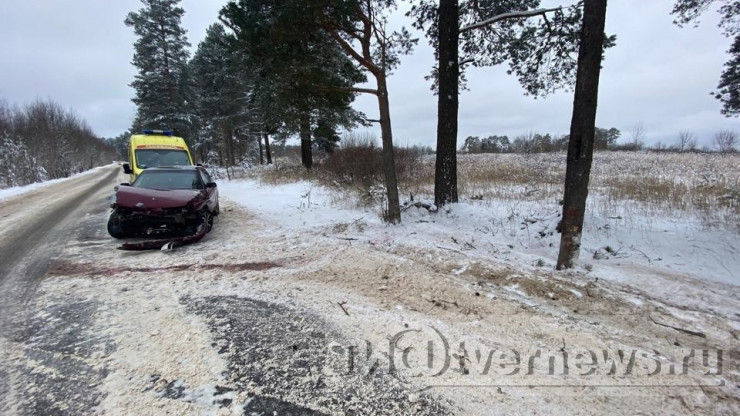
(211, 185)
(127, 169)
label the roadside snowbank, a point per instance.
(19, 190)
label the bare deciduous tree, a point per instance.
(637, 136)
(686, 141)
(725, 141)
(660, 147)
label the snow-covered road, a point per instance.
(35, 226)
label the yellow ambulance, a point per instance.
(154, 148)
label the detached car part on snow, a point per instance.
(178, 203)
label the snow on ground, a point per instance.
(19, 190)
(300, 205)
(487, 267)
(479, 272)
(521, 233)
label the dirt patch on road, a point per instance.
(67, 268)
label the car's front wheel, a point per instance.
(206, 220)
(115, 226)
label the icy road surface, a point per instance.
(284, 309)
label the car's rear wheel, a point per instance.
(115, 226)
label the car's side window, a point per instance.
(206, 178)
(198, 182)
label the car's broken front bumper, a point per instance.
(157, 221)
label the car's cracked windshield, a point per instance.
(168, 180)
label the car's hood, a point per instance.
(142, 198)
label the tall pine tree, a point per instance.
(223, 92)
(162, 85)
(303, 80)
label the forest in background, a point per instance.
(43, 141)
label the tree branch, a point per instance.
(361, 90)
(367, 28)
(352, 52)
(506, 16)
(350, 89)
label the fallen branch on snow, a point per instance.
(685, 331)
(439, 302)
(451, 249)
(341, 305)
(428, 207)
(641, 252)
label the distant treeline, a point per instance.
(44, 141)
(536, 143)
(724, 141)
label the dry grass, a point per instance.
(669, 184)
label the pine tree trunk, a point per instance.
(267, 149)
(445, 175)
(262, 154)
(305, 133)
(582, 128)
(166, 55)
(393, 215)
(228, 145)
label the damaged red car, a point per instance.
(176, 201)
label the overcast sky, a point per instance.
(78, 53)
